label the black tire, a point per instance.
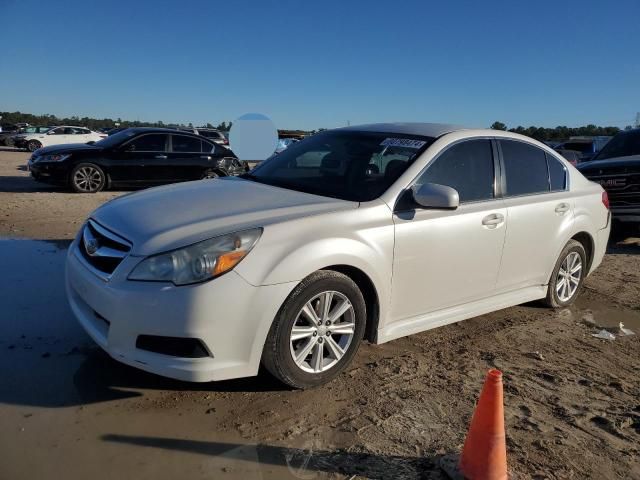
(209, 174)
(554, 298)
(33, 145)
(277, 355)
(94, 178)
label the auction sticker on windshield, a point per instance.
(403, 142)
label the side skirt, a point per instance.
(455, 314)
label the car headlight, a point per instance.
(198, 262)
(54, 157)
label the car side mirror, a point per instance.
(433, 195)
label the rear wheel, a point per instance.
(87, 178)
(568, 276)
(317, 331)
(209, 174)
(33, 145)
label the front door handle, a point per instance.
(205, 157)
(493, 220)
(161, 157)
(562, 208)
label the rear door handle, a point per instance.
(205, 157)
(493, 220)
(562, 208)
(161, 157)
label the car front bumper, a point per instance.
(49, 172)
(228, 315)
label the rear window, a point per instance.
(623, 144)
(582, 147)
(525, 168)
(211, 134)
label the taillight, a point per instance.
(605, 200)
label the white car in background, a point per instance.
(57, 136)
(375, 231)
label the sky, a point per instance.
(324, 64)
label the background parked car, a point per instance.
(210, 133)
(7, 131)
(134, 157)
(213, 135)
(617, 169)
(572, 156)
(60, 135)
(587, 146)
(18, 138)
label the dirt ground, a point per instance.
(572, 402)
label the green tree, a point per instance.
(498, 126)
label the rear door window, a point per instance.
(153, 142)
(525, 168)
(185, 144)
(208, 147)
(466, 166)
(557, 174)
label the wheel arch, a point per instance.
(370, 294)
(588, 243)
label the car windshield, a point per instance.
(116, 138)
(37, 129)
(622, 145)
(344, 164)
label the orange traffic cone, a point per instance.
(484, 455)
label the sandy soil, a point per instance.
(67, 410)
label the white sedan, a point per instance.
(58, 136)
(376, 232)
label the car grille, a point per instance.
(623, 190)
(102, 249)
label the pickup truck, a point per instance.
(617, 168)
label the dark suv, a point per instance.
(617, 168)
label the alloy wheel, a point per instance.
(87, 179)
(322, 332)
(569, 276)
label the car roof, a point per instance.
(407, 128)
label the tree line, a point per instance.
(93, 123)
(559, 133)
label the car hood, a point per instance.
(594, 166)
(67, 148)
(173, 216)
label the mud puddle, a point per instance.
(605, 315)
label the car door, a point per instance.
(187, 160)
(57, 136)
(143, 159)
(539, 213)
(444, 258)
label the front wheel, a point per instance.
(317, 331)
(33, 145)
(568, 276)
(87, 178)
